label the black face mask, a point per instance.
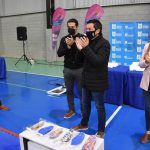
(90, 35)
(71, 31)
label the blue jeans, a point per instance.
(147, 108)
(98, 97)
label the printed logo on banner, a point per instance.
(129, 35)
(128, 50)
(115, 41)
(115, 34)
(141, 34)
(139, 25)
(140, 41)
(138, 57)
(143, 26)
(127, 41)
(139, 49)
(114, 55)
(115, 26)
(129, 27)
(116, 49)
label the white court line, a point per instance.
(18, 85)
(31, 87)
(113, 115)
(22, 86)
(35, 74)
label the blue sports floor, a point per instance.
(25, 95)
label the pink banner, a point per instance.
(58, 18)
(94, 12)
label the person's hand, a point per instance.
(147, 58)
(78, 43)
(69, 41)
(84, 41)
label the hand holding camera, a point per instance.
(82, 42)
(69, 41)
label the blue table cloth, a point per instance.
(117, 83)
(134, 94)
(2, 68)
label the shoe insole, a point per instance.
(45, 130)
(56, 133)
(90, 143)
(78, 139)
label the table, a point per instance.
(134, 94)
(30, 140)
(2, 68)
(117, 83)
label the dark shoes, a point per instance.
(80, 127)
(145, 138)
(2, 107)
(69, 114)
(100, 134)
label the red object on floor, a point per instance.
(9, 132)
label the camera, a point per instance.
(82, 35)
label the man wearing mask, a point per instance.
(95, 74)
(73, 63)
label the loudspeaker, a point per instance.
(21, 33)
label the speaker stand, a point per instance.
(25, 58)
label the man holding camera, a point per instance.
(73, 63)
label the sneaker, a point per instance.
(2, 107)
(80, 127)
(69, 114)
(145, 138)
(100, 134)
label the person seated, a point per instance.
(3, 107)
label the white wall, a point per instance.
(10, 11)
(36, 30)
(15, 7)
(1, 7)
(69, 4)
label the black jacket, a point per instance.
(73, 58)
(95, 68)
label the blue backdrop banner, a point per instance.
(127, 41)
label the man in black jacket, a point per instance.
(95, 74)
(73, 63)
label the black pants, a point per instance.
(0, 102)
(98, 97)
(70, 76)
